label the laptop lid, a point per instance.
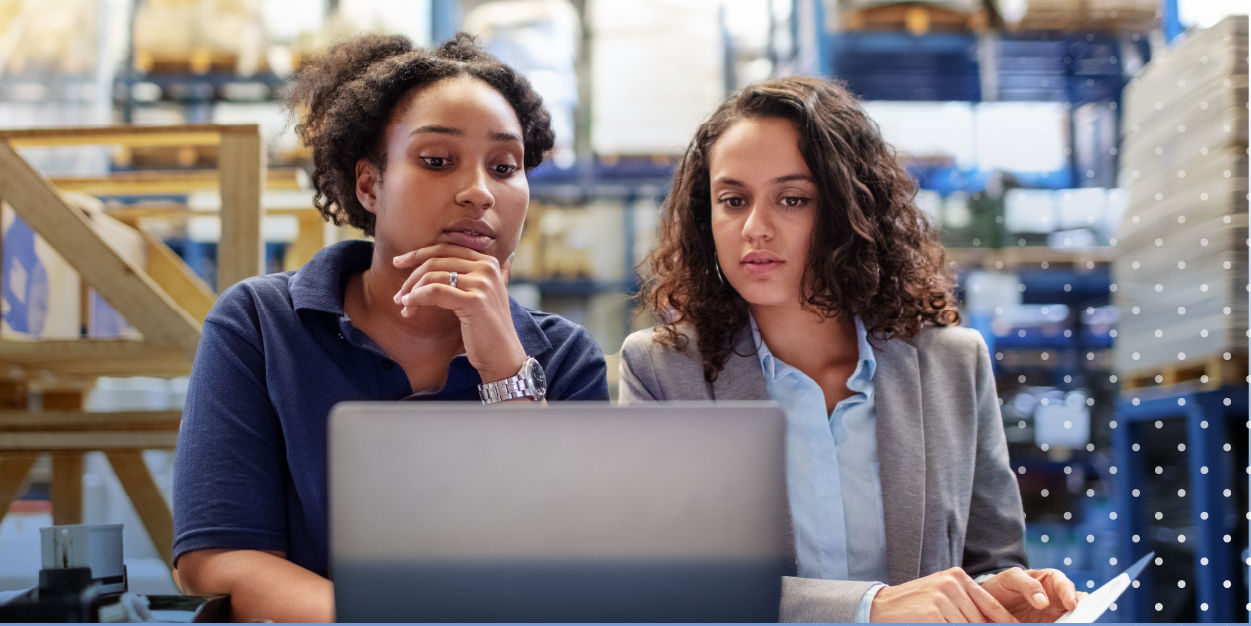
(574, 512)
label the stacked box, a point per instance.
(1180, 268)
(675, 49)
(41, 41)
(586, 240)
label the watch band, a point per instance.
(527, 383)
(507, 389)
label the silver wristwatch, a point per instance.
(528, 383)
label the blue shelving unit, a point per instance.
(626, 180)
(1065, 286)
(1028, 67)
(1075, 289)
(1077, 68)
(1207, 415)
(899, 66)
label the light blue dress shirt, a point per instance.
(833, 480)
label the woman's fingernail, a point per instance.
(1040, 598)
(396, 297)
(404, 299)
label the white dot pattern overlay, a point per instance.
(1180, 262)
(1180, 288)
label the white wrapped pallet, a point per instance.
(1181, 256)
(199, 36)
(675, 48)
(41, 41)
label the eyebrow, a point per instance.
(725, 180)
(456, 132)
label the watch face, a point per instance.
(537, 381)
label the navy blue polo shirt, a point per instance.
(277, 352)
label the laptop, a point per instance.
(574, 512)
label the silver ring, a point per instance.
(453, 279)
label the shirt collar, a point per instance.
(318, 286)
(860, 380)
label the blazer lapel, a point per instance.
(901, 456)
(742, 378)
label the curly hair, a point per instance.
(350, 93)
(872, 254)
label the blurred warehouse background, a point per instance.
(1086, 161)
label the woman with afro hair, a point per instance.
(792, 265)
(427, 152)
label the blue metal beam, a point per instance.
(444, 19)
(1171, 20)
(1206, 414)
(823, 38)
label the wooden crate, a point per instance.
(157, 294)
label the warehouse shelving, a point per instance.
(628, 182)
(1212, 419)
(1078, 69)
(1086, 71)
(1075, 68)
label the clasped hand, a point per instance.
(479, 299)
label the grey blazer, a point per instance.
(949, 496)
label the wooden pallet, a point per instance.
(166, 157)
(196, 63)
(63, 430)
(915, 17)
(1031, 257)
(1201, 374)
(1087, 15)
(1065, 23)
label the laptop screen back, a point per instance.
(455, 512)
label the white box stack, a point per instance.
(673, 47)
(1181, 258)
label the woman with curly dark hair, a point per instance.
(426, 151)
(792, 265)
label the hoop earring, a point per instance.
(717, 264)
